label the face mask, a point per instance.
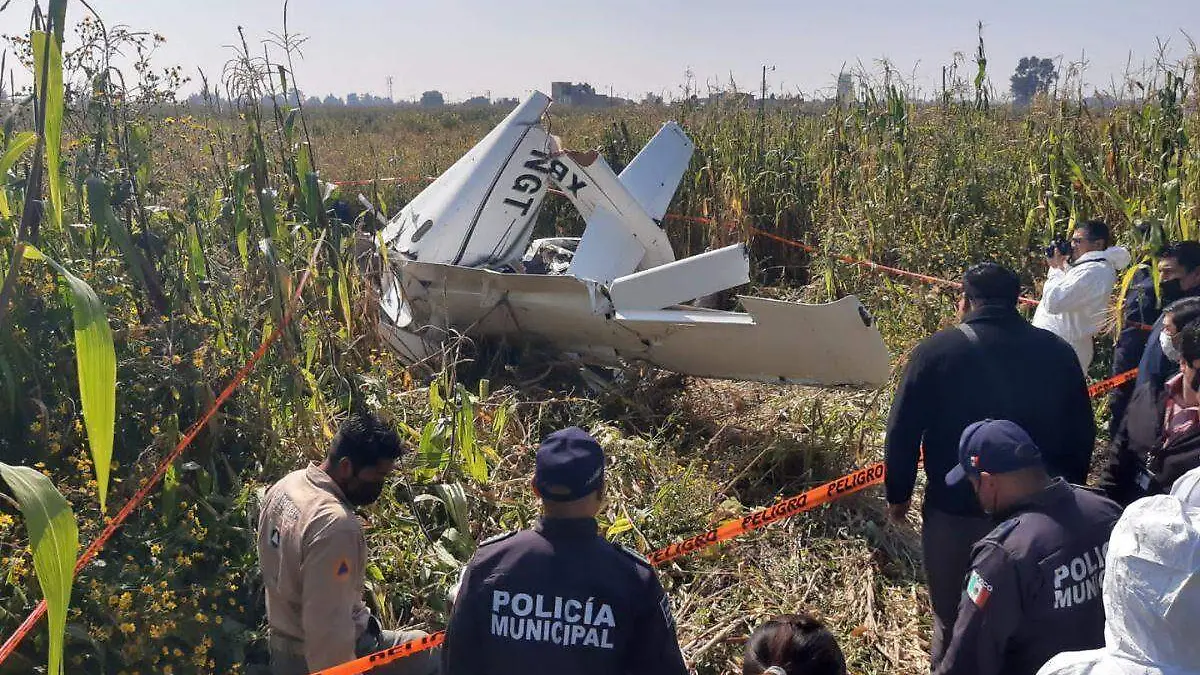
(1168, 346)
(1172, 290)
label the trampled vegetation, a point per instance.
(149, 248)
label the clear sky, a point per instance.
(510, 47)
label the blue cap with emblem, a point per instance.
(570, 465)
(994, 446)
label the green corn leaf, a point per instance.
(170, 495)
(474, 462)
(195, 268)
(102, 213)
(54, 541)
(455, 498)
(53, 88)
(241, 218)
(139, 151)
(96, 362)
(57, 13)
(19, 145)
(436, 402)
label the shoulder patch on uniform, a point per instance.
(499, 537)
(1001, 532)
(978, 589)
(632, 554)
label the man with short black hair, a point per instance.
(993, 364)
(1076, 293)
(313, 555)
(560, 598)
(1035, 580)
(1179, 277)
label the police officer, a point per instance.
(1034, 586)
(560, 598)
(313, 556)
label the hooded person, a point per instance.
(1151, 595)
(1076, 293)
(1187, 488)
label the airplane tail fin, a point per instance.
(654, 174)
(481, 211)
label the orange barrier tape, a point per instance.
(361, 665)
(806, 501)
(143, 491)
(1104, 386)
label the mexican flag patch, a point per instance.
(978, 590)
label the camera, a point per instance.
(1059, 244)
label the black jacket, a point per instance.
(1140, 307)
(1017, 372)
(1138, 463)
(1154, 366)
(560, 599)
(1034, 589)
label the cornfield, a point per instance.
(148, 248)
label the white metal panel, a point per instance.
(789, 343)
(778, 342)
(480, 211)
(654, 174)
(606, 251)
(591, 185)
(682, 280)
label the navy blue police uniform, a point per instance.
(1034, 589)
(559, 598)
(1140, 312)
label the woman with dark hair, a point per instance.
(793, 644)
(1159, 439)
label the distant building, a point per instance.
(582, 95)
(477, 102)
(734, 98)
(432, 99)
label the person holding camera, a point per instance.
(1077, 289)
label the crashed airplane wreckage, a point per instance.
(459, 260)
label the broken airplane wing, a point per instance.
(456, 266)
(780, 342)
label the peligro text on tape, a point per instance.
(786, 508)
(823, 494)
(1105, 386)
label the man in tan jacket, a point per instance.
(313, 556)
